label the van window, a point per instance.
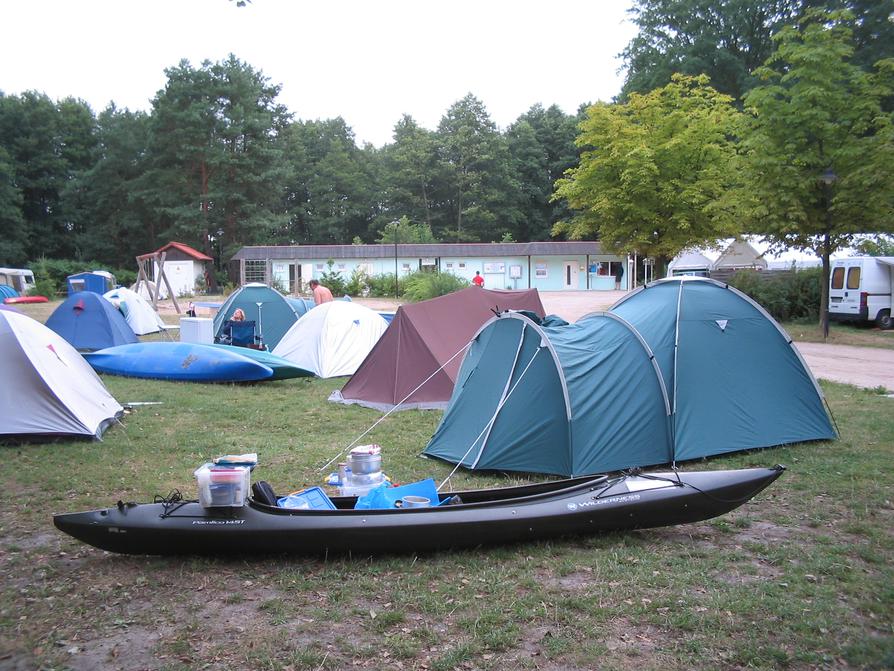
(853, 277)
(838, 278)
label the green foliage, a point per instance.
(724, 40)
(382, 286)
(876, 245)
(54, 272)
(421, 285)
(788, 296)
(358, 285)
(44, 287)
(334, 280)
(816, 168)
(652, 171)
(405, 232)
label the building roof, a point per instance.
(462, 249)
(186, 249)
(740, 254)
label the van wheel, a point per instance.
(883, 321)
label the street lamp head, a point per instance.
(829, 177)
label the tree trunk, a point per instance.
(824, 290)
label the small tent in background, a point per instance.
(332, 339)
(48, 388)
(89, 322)
(690, 262)
(136, 310)
(272, 313)
(680, 369)
(424, 341)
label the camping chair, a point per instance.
(240, 334)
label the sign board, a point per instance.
(515, 272)
(494, 268)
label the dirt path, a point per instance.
(868, 367)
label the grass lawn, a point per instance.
(799, 578)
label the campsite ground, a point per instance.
(800, 578)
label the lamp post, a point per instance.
(395, 260)
(827, 179)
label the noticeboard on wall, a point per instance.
(541, 270)
(494, 268)
(515, 272)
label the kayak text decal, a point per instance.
(204, 522)
(599, 502)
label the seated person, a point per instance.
(238, 315)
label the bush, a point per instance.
(788, 296)
(57, 271)
(358, 285)
(332, 280)
(421, 285)
(382, 286)
(43, 287)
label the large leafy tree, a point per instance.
(818, 156)
(652, 171)
(14, 240)
(729, 39)
(480, 191)
(217, 165)
(120, 223)
(48, 146)
(333, 190)
(724, 39)
(412, 172)
(542, 146)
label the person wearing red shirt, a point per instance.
(478, 281)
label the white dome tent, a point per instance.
(139, 314)
(48, 388)
(332, 339)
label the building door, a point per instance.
(570, 275)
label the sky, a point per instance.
(368, 61)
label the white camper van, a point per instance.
(20, 279)
(860, 290)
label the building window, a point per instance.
(319, 267)
(255, 271)
(462, 264)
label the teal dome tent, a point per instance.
(685, 368)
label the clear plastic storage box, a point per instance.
(225, 486)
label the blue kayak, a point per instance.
(180, 361)
(283, 369)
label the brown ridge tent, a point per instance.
(421, 338)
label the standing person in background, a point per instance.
(619, 273)
(478, 281)
(321, 293)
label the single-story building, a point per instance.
(546, 266)
(183, 267)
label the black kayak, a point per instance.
(579, 506)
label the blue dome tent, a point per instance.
(87, 321)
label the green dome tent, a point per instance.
(272, 313)
(710, 372)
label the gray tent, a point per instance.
(48, 389)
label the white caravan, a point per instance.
(860, 290)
